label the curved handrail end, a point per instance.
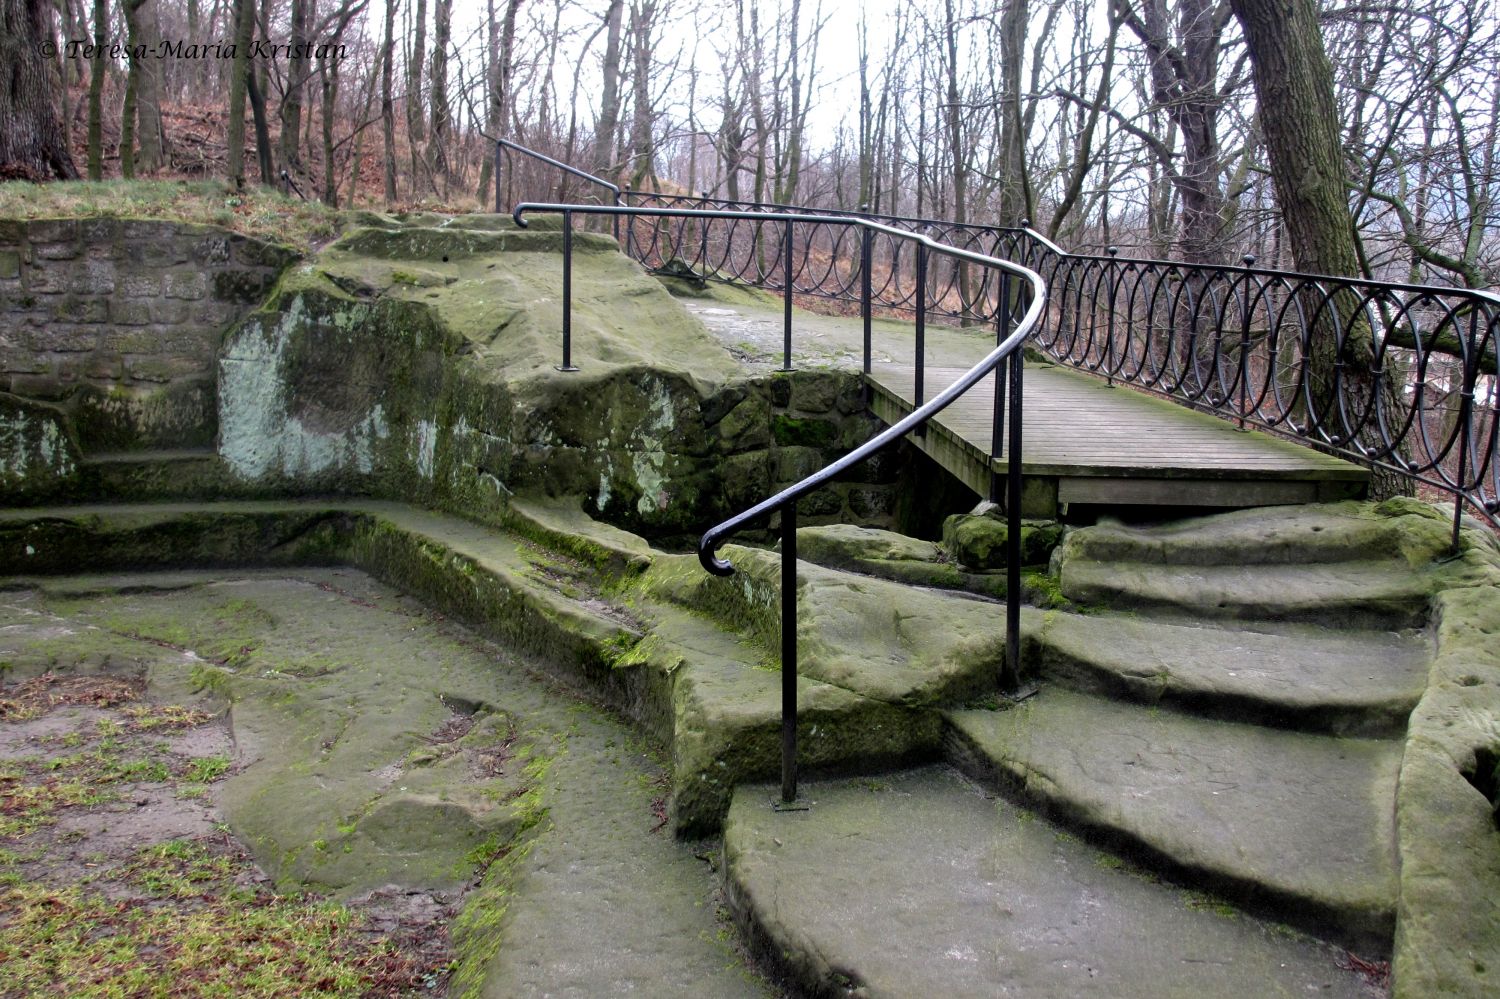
(516, 215)
(707, 547)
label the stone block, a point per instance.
(169, 311)
(103, 367)
(51, 230)
(103, 251)
(815, 391)
(147, 231)
(99, 234)
(61, 338)
(746, 478)
(10, 264)
(781, 390)
(161, 369)
(188, 285)
(23, 362)
(792, 464)
(158, 253)
(70, 308)
(746, 427)
(47, 280)
(55, 251)
(820, 503)
(254, 253)
(872, 502)
(140, 285)
(212, 250)
(145, 340)
(48, 385)
(127, 312)
(242, 285)
(804, 431)
(92, 277)
(213, 315)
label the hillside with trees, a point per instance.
(1159, 126)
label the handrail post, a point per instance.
(1465, 430)
(498, 147)
(997, 427)
(866, 256)
(1249, 261)
(1109, 335)
(567, 294)
(1465, 422)
(789, 653)
(1010, 671)
(917, 393)
(786, 308)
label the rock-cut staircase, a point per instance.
(1211, 756)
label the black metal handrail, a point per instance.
(516, 147)
(1400, 377)
(1018, 314)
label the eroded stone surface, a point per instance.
(1291, 675)
(918, 885)
(1372, 594)
(1303, 819)
(377, 744)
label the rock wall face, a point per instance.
(412, 359)
(115, 326)
(416, 362)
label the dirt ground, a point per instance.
(119, 877)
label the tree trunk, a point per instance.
(1015, 188)
(609, 107)
(642, 147)
(96, 91)
(388, 104)
(442, 22)
(415, 128)
(328, 71)
(296, 85)
(1294, 85)
(262, 129)
(131, 10)
(239, 75)
(1184, 72)
(500, 98)
(31, 143)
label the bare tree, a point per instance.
(388, 104)
(31, 143)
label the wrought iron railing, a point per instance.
(1399, 377)
(1019, 295)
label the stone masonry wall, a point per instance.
(116, 323)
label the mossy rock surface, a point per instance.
(36, 449)
(980, 541)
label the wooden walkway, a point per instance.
(1087, 443)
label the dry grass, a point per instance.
(260, 212)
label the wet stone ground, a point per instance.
(309, 784)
